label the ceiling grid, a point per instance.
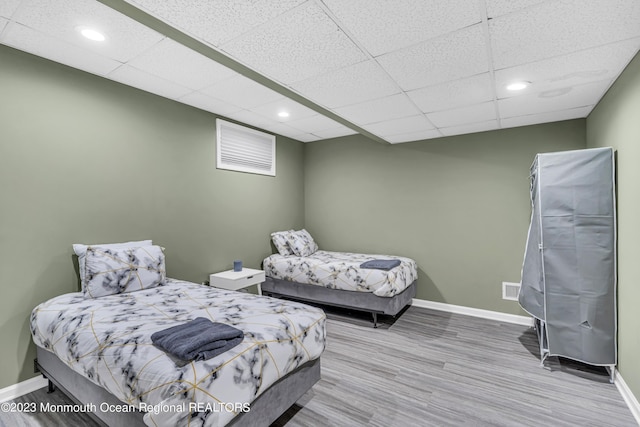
(395, 72)
(492, 76)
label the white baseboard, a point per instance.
(24, 387)
(475, 312)
(628, 396)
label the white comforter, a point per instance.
(341, 270)
(107, 340)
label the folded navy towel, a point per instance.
(381, 264)
(199, 339)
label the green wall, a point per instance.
(615, 122)
(87, 160)
(459, 206)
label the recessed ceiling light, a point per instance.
(91, 34)
(283, 114)
(518, 85)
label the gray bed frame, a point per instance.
(265, 409)
(362, 301)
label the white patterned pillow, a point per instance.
(281, 242)
(301, 243)
(81, 251)
(110, 271)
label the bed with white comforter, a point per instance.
(107, 340)
(341, 270)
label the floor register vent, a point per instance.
(510, 291)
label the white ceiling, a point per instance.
(401, 70)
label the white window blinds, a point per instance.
(242, 149)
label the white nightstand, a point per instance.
(234, 280)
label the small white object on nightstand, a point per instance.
(234, 280)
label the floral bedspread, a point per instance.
(108, 340)
(341, 270)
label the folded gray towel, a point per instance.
(199, 339)
(381, 264)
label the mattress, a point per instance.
(341, 270)
(107, 340)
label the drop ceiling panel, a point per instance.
(558, 28)
(253, 119)
(450, 57)
(556, 100)
(471, 128)
(586, 66)
(313, 124)
(142, 80)
(250, 118)
(204, 102)
(3, 23)
(349, 85)
(497, 8)
(457, 93)
(174, 62)
(216, 21)
(282, 129)
(534, 119)
(410, 124)
(335, 132)
(413, 136)
(296, 111)
(8, 7)
(37, 43)
(305, 137)
(465, 115)
(377, 110)
(125, 38)
(241, 91)
(385, 26)
(301, 43)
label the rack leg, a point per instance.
(375, 319)
(612, 373)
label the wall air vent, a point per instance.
(242, 149)
(510, 291)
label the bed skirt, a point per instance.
(363, 301)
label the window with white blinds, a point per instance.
(242, 149)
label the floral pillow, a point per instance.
(301, 243)
(110, 271)
(281, 242)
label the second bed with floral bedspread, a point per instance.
(341, 270)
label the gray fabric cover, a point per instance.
(84, 392)
(569, 269)
(340, 298)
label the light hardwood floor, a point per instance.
(431, 368)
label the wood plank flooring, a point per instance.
(430, 368)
